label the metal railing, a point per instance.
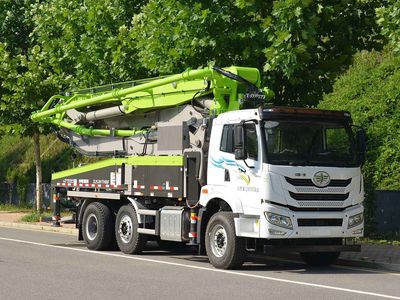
(387, 213)
(11, 194)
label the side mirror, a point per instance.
(240, 154)
(240, 138)
(361, 139)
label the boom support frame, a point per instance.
(147, 95)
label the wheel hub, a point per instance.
(91, 227)
(219, 241)
(125, 229)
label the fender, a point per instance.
(137, 205)
(223, 193)
(82, 209)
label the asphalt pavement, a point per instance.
(44, 265)
(375, 256)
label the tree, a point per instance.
(47, 46)
(388, 18)
(86, 43)
(25, 84)
(301, 45)
(314, 41)
(196, 33)
(22, 79)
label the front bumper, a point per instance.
(259, 227)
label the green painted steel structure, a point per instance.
(132, 160)
(141, 96)
(150, 94)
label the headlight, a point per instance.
(355, 220)
(279, 220)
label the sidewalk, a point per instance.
(374, 256)
(12, 219)
(385, 257)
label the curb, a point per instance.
(38, 227)
(368, 264)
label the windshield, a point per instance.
(309, 144)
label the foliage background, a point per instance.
(344, 52)
(300, 44)
(370, 91)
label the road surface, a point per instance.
(43, 265)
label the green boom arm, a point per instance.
(149, 95)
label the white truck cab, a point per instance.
(287, 173)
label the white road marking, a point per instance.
(207, 269)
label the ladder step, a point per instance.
(146, 231)
(147, 212)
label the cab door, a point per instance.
(247, 179)
(240, 179)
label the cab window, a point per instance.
(251, 140)
(228, 143)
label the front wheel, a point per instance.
(320, 258)
(224, 249)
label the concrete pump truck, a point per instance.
(198, 158)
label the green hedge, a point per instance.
(370, 90)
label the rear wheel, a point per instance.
(98, 225)
(224, 249)
(126, 231)
(320, 258)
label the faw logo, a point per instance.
(321, 179)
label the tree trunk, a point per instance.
(38, 164)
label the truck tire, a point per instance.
(128, 239)
(320, 258)
(98, 226)
(224, 249)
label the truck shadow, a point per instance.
(80, 245)
(281, 265)
(276, 264)
(254, 263)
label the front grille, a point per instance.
(319, 222)
(327, 204)
(308, 182)
(317, 207)
(312, 189)
(319, 197)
